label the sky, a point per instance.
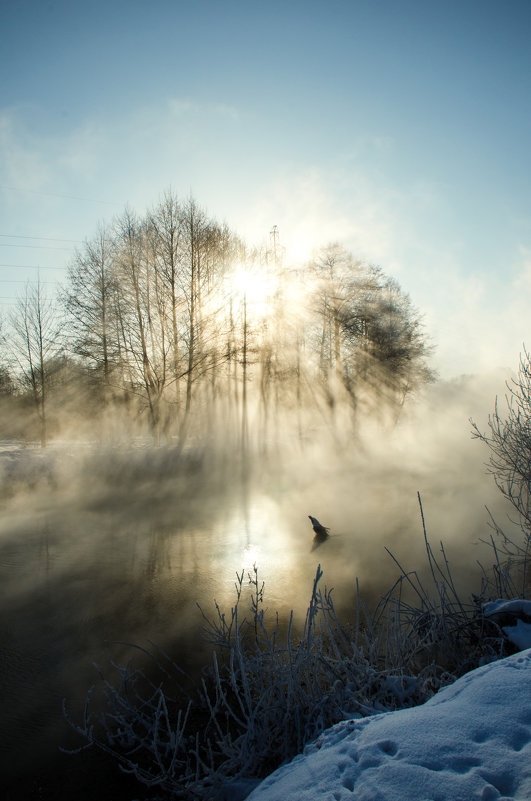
(400, 130)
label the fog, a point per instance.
(109, 541)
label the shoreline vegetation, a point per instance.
(271, 687)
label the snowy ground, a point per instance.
(470, 742)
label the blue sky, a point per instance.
(401, 129)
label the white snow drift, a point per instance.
(471, 741)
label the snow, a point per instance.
(516, 605)
(516, 615)
(470, 741)
(519, 635)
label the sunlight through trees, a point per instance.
(172, 318)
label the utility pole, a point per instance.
(274, 238)
(244, 388)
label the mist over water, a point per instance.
(107, 544)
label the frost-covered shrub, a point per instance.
(270, 689)
(508, 438)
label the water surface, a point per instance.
(100, 548)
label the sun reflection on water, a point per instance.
(253, 533)
(251, 556)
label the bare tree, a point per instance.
(366, 332)
(166, 224)
(34, 345)
(206, 255)
(142, 314)
(389, 347)
(509, 441)
(90, 304)
(7, 386)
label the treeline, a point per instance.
(173, 319)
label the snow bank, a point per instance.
(514, 618)
(470, 741)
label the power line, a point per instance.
(34, 247)
(42, 238)
(31, 267)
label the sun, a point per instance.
(246, 282)
(254, 287)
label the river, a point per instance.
(105, 547)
